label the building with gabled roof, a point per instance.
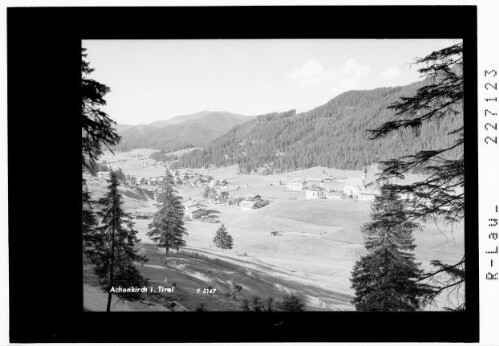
(247, 205)
(297, 185)
(315, 193)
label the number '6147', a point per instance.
(490, 126)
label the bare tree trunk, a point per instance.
(167, 251)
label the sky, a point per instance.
(154, 80)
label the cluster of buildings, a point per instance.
(185, 178)
(363, 188)
(189, 179)
(154, 164)
(197, 210)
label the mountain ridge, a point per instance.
(179, 132)
(331, 135)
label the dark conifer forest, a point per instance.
(332, 135)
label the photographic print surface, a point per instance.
(273, 175)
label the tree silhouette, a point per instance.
(386, 279)
(97, 131)
(97, 127)
(167, 228)
(115, 255)
(441, 193)
(291, 303)
(223, 239)
(88, 222)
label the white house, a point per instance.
(224, 185)
(297, 185)
(407, 196)
(315, 194)
(333, 195)
(367, 196)
(104, 175)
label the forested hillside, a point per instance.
(332, 135)
(180, 132)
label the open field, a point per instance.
(193, 272)
(319, 240)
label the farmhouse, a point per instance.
(253, 197)
(297, 185)
(153, 181)
(224, 185)
(198, 213)
(104, 175)
(408, 196)
(194, 210)
(247, 205)
(315, 193)
(367, 196)
(333, 195)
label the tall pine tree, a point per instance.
(97, 131)
(88, 222)
(167, 228)
(97, 126)
(441, 193)
(386, 279)
(115, 252)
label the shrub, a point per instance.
(291, 303)
(200, 307)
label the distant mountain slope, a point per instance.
(180, 132)
(123, 127)
(332, 135)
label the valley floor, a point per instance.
(319, 242)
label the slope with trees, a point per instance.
(180, 132)
(332, 135)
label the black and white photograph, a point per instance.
(251, 173)
(273, 175)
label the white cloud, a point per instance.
(350, 77)
(312, 73)
(390, 73)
